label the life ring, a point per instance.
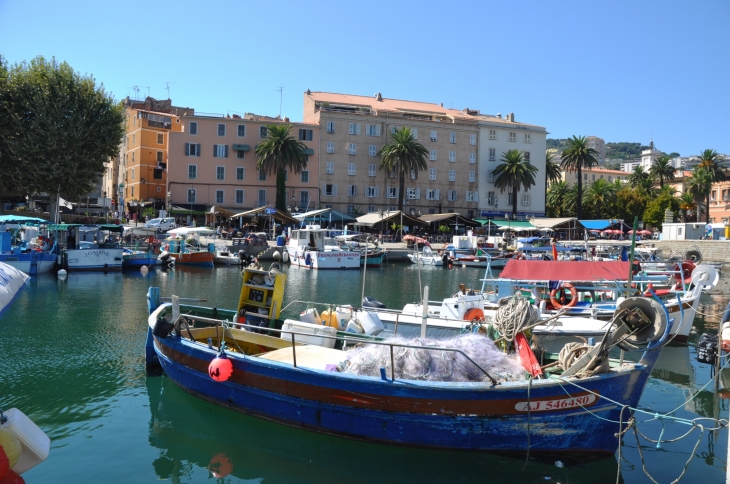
(474, 313)
(167, 247)
(151, 239)
(573, 297)
(684, 274)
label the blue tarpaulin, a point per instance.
(597, 224)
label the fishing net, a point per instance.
(436, 365)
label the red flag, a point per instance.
(527, 357)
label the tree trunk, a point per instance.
(579, 202)
(514, 201)
(280, 203)
(401, 191)
(707, 208)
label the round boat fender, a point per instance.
(474, 314)
(685, 274)
(167, 247)
(573, 297)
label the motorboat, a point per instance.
(427, 257)
(90, 247)
(306, 248)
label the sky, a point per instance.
(621, 70)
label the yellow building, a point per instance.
(592, 174)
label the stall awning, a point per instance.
(580, 271)
(449, 218)
(513, 224)
(375, 218)
(241, 147)
(282, 217)
(324, 215)
(598, 224)
(555, 223)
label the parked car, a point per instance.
(167, 223)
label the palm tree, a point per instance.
(710, 161)
(278, 152)
(403, 155)
(662, 170)
(686, 203)
(513, 173)
(600, 193)
(638, 177)
(552, 172)
(700, 185)
(557, 197)
(578, 156)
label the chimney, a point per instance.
(511, 117)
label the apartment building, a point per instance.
(498, 135)
(592, 174)
(353, 130)
(213, 163)
(599, 145)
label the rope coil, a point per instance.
(513, 316)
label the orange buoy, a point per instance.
(220, 465)
(12, 478)
(474, 313)
(221, 368)
(562, 304)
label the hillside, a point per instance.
(622, 150)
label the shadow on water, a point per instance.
(187, 432)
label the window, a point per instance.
(371, 169)
(305, 135)
(492, 134)
(512, 136)
(415, 133)
(393, 129)
(330, 126)
(593, 178)
(452, 156)
(239, 197)
(679, 230)
(525, 199)
(452, 195)
(413, 174)
(219, 196)
(330, 168)
(133, 157)
(240, 173)
(241, 130)
(509, 198)
(191, 195)
(221, 129)
(527, 137)
(304, 198)
(413, 193)
(354, 128)
(432, 194)
(432, 174)
(434, 135)
(351, 168)
(133, 176)
(132, 191)
(192, 172)
(392, 192)
(263, 132)
(472, 158)
(585, 176)
(391, 174)
(351, 210)
(330, 147)
(352, 148)
(372, 192)
(452, 138)
(305, 176)
(160, 139)
(472, 196)
(220, 172)
(492, 154)
(433, 155)
(262, 175)
(330, 190)
(134, 139)
(191, 149)
(491, 198)
(452, 175)
(262, 198)
(240, 154)
(472, 176)
(490, 176)
(220, 151)
(473, 139)
(371, 209)
(372, 150)
(351, 190)
(526, 156)
(609, 178)
(160, 154)
(372, 129)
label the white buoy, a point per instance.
(285, 256)
(276, 255)
(62, 274)
(144, 270)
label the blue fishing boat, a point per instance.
(21, 248)
(132, 259)
(270, 374)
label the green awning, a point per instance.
(241, 147)
(513, 223)
(187, 212)
(308, 151)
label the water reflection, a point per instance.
(196, 439)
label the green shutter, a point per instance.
(226, 151)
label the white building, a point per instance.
(649, 157)
(498, 135)
(599, 145)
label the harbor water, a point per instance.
(72, 359)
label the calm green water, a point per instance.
(72, 358)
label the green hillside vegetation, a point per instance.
(625, 151)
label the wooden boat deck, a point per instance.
(314, 357)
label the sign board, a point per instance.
(270, 211)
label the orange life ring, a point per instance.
(573, 297)
(686, 268)
(474, 313)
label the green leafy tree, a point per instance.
(662, 170)
(713, 163)
(600, 193)
(700, 185)
(403, 155)
(57, 128)
(577, 156)
(654, 213)
(514, 172)
(686, 204)
(638, 178)
(557, 199)
(278, 152)
(553, 173)
(629, 202)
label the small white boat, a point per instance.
(426, 257)
(225, 257)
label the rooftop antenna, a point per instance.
(136, 92)
(167, 83)
(148, 90)
(281, 95)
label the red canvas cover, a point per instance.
(548, 270)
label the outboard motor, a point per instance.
(371, 302)
(166, 259)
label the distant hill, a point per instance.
(623, 150)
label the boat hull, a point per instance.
(105, 260)
(470, 416)
(324, 259)
(426, 260)
(200, 259)
(139, 259)
(31, 263)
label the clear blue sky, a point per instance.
(621, 70)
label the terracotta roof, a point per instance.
(387, 105)
(495, 119)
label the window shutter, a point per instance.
(215, 151)
(377, 130)
(475, 196)
(187, 149)
(358, 128)
(324, 188)
(226, 155)
(436, 194)
(354, 190)
(377, 191)
(418, 193)
(334, 190)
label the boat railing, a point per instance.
(346, 340)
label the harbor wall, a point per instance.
(711, 250)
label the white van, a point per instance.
(164, 224)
